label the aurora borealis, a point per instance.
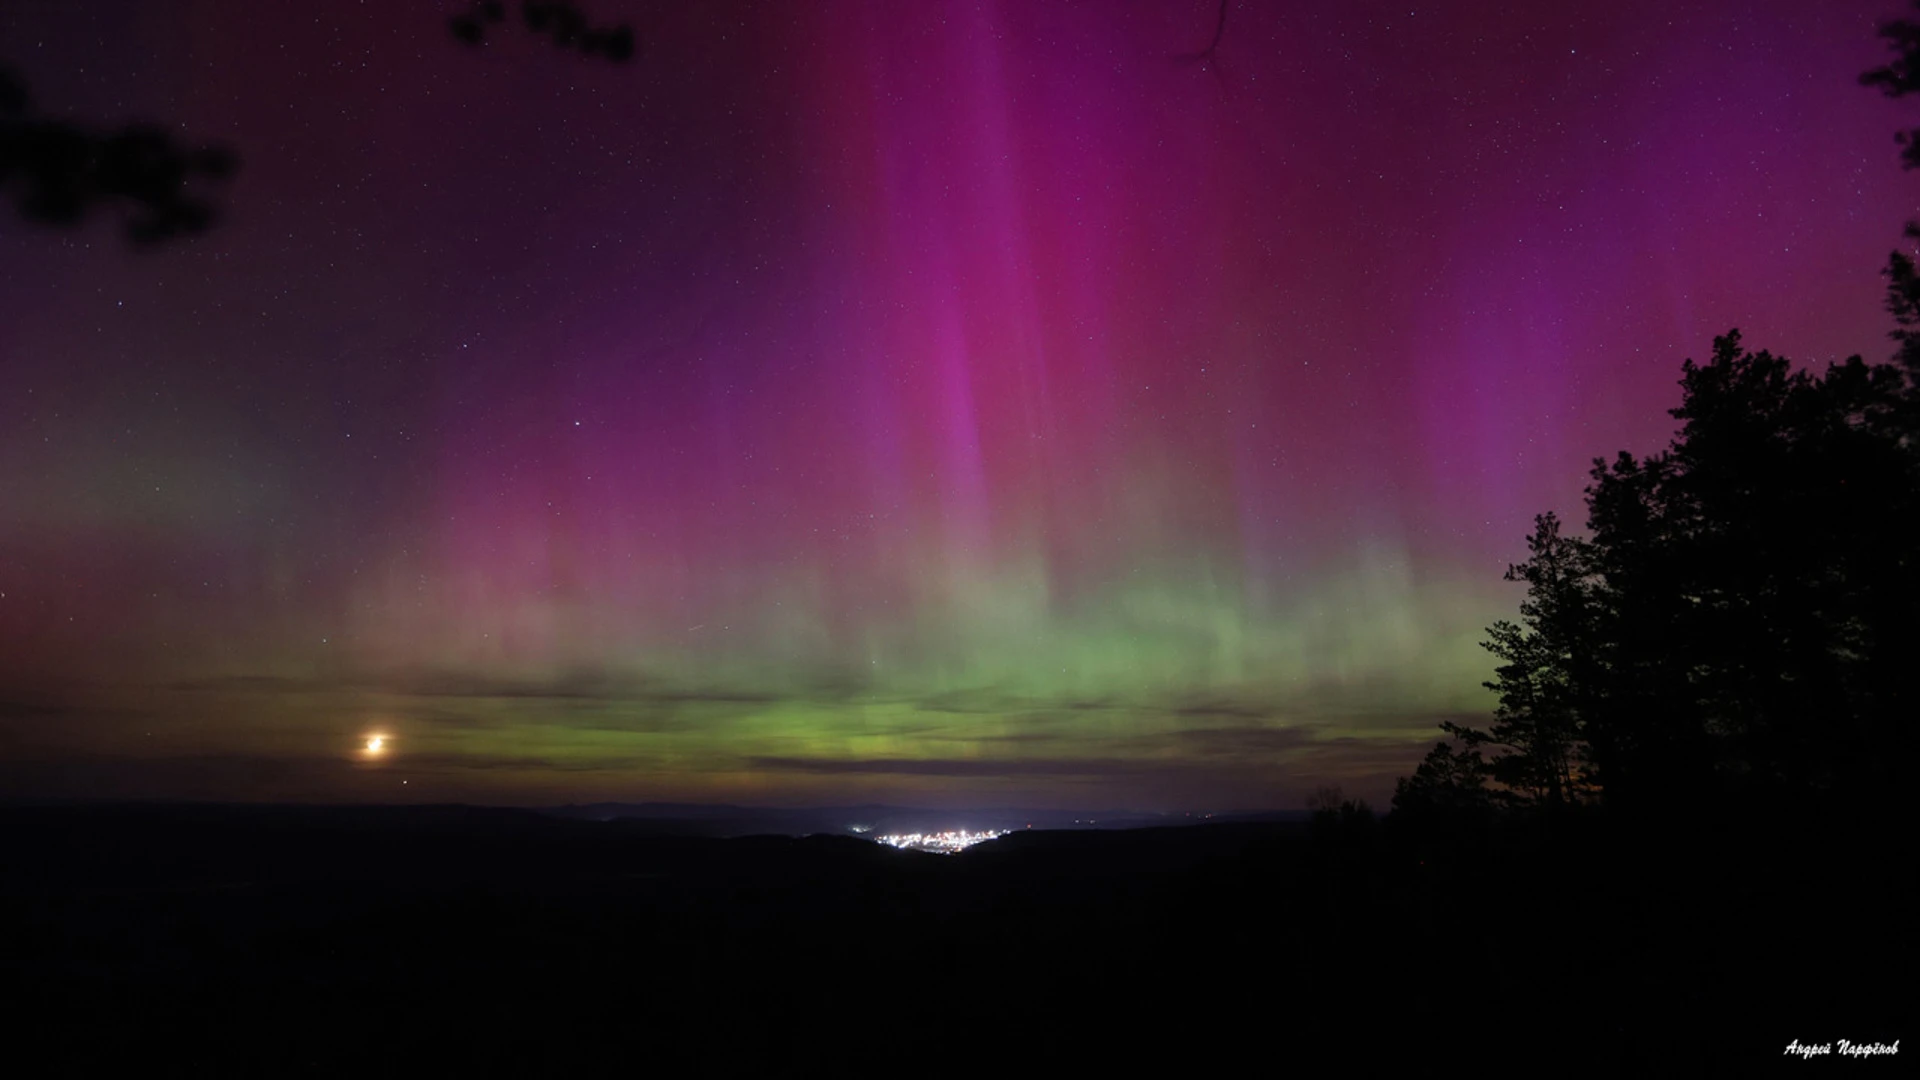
(933, 403)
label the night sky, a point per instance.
(951, 404)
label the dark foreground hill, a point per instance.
(290, 941)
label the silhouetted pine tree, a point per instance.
(1449, 785)
(1898, 78)
(1747, 636)
(1740, 620)
(1537, 724)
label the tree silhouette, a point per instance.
(1903, 303)
(565, 24)
(1897, 79)
(60, 173)
(1901, 76)
(1537, 724)
(1739, 621)
(1213, 44)
(1449, 786)
(1779, 529)
(1542, 758)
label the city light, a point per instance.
(946, 843)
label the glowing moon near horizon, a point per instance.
(375, 746)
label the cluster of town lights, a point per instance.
(946, 842)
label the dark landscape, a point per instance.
(317, 941)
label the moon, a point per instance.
(376, 743)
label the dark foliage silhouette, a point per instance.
(563, 23)
(1212, 50)
(1713, 682)
(1900, 76)
(59, 173)
(1450, 786)
(63, 174)
(1903, 303)
(1542, 760)
(1738, 622)
(1897, 79)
